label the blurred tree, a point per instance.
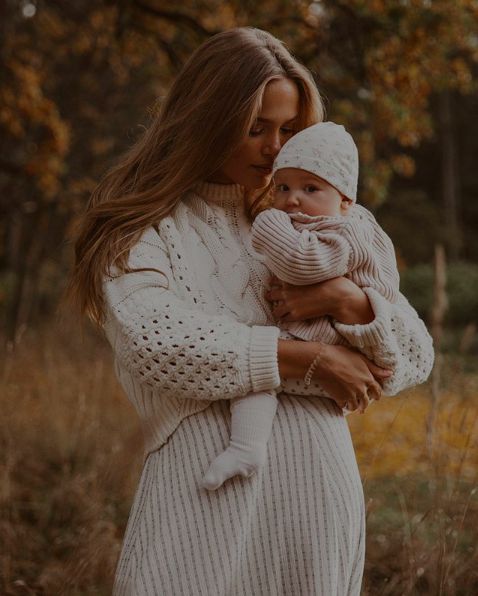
(72, 87)
(76, 78)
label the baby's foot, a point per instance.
(235, 460)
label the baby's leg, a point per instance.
(251, 425)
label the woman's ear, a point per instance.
(345, 205)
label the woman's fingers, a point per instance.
(374, 390)
(275, 281)
(363, 401)
(380, 374)
(274, 294)
(352, 403)
(279, 309)
(349, 376)
(359, 402)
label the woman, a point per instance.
(164, 264)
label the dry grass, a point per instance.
(420, 477)
(71, 456)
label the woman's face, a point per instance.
(251, 163)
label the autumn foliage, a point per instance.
(78, 81)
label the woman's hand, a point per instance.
(349, 378)
(339, 298)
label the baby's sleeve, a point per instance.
(300, 257)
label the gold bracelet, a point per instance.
(311, 369)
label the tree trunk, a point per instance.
(451, 202)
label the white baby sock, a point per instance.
(251, 425)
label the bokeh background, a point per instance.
(78, 84)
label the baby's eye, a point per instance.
(282, 187)
(311, 188)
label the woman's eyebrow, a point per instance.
(267, 121)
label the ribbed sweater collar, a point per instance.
(220, 194)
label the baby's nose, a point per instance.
(293, 198)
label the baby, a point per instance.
(314, 232)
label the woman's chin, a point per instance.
(257, 183)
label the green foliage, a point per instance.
(462, 290)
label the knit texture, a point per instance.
(195, 333)
(296, 528)
(303, 249)
(307, 249)
(185, 341)
(187, 334)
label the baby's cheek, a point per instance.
(277, 203)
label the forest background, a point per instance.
(78, 84)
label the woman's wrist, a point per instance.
(295, 358)
(353, 308)
(316, 364)
(263, 363)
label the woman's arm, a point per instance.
(343, 374)
(187, 353)
(173, 346)
(400, 340)
(178, 349)
(339, 298)
(391, 334)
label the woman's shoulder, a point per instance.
(157, 236)
(149, 249)
(148, 266)
(150, 240)
(159, 240)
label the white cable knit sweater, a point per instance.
(203, 331)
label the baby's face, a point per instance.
(299, 191)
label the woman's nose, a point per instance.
(272, 145)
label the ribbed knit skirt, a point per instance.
(297, 528)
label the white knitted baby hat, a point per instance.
(326, 150)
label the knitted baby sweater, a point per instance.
(192, 324)
(303, 249)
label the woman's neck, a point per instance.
(214, 192)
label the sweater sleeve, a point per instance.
(179, 350)
(300, 257)
(397, 338)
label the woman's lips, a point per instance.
(264, 169)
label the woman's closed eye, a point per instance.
(287, 131)
(255, 132)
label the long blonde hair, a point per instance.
(208, 112)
